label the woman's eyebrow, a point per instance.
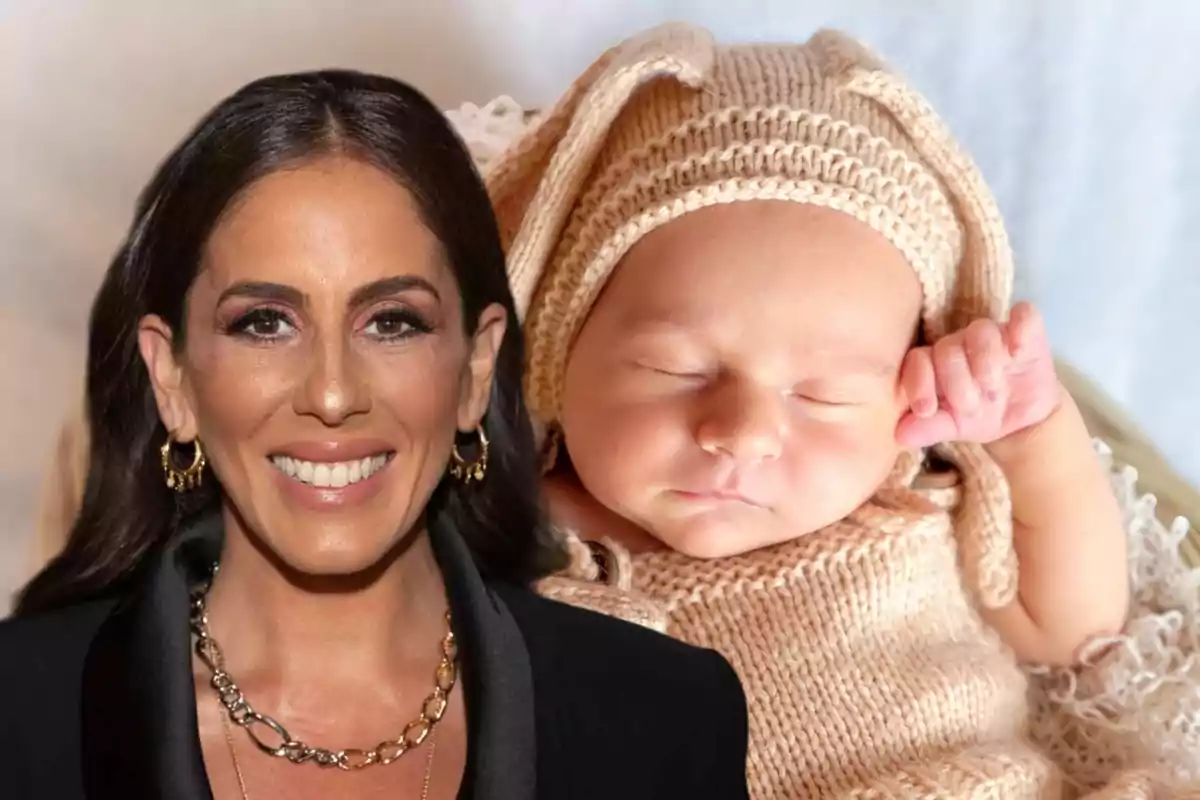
(264, 290)
(390, 286)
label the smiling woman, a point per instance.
(312, 493)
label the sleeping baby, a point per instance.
(789, 415)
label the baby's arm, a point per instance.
(995, 384)
(1069, 537)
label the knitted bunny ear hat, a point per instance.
(667, 122)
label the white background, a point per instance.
(1084, 114)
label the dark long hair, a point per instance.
(127, 513)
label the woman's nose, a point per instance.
(334, 388)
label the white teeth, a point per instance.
(329, 475)
(339, 476)
(321, 476)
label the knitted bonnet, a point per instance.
(668, 122)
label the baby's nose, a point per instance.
(743, 423)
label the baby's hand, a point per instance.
(980, 384)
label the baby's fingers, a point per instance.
(1025, 333)
(987, 356)
(917, 432)
(954, 379)
(919, 382)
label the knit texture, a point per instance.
(1134, 701)
(869, 675)
(667, 123)
(866, 670)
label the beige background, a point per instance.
(1081, 112)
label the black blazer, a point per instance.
(97, 700)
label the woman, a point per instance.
(311, 501)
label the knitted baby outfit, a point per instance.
(867, 670)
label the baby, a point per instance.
(758, 283)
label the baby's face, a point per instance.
(736, 384)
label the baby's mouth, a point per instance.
(718, 496)
(331, 474)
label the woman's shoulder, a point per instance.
(68, 622)
(47, 648)
(42, 663)
(568, 633)
(611, 691)
(623, 666)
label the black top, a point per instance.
(98, 701)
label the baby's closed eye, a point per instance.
(841, 393)
(669, 365)
(678, 370)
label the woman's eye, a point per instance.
(263, 323)
(397, 324)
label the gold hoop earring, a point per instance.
(467, 471)
(182, 480)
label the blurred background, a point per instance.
(1082, 113)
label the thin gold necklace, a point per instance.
(241, 779)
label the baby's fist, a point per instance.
(980, 384)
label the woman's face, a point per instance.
(324, 368)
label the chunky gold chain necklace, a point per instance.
(258, 726)
(241, 779)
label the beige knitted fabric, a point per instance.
(867, 673)
(667, 123)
